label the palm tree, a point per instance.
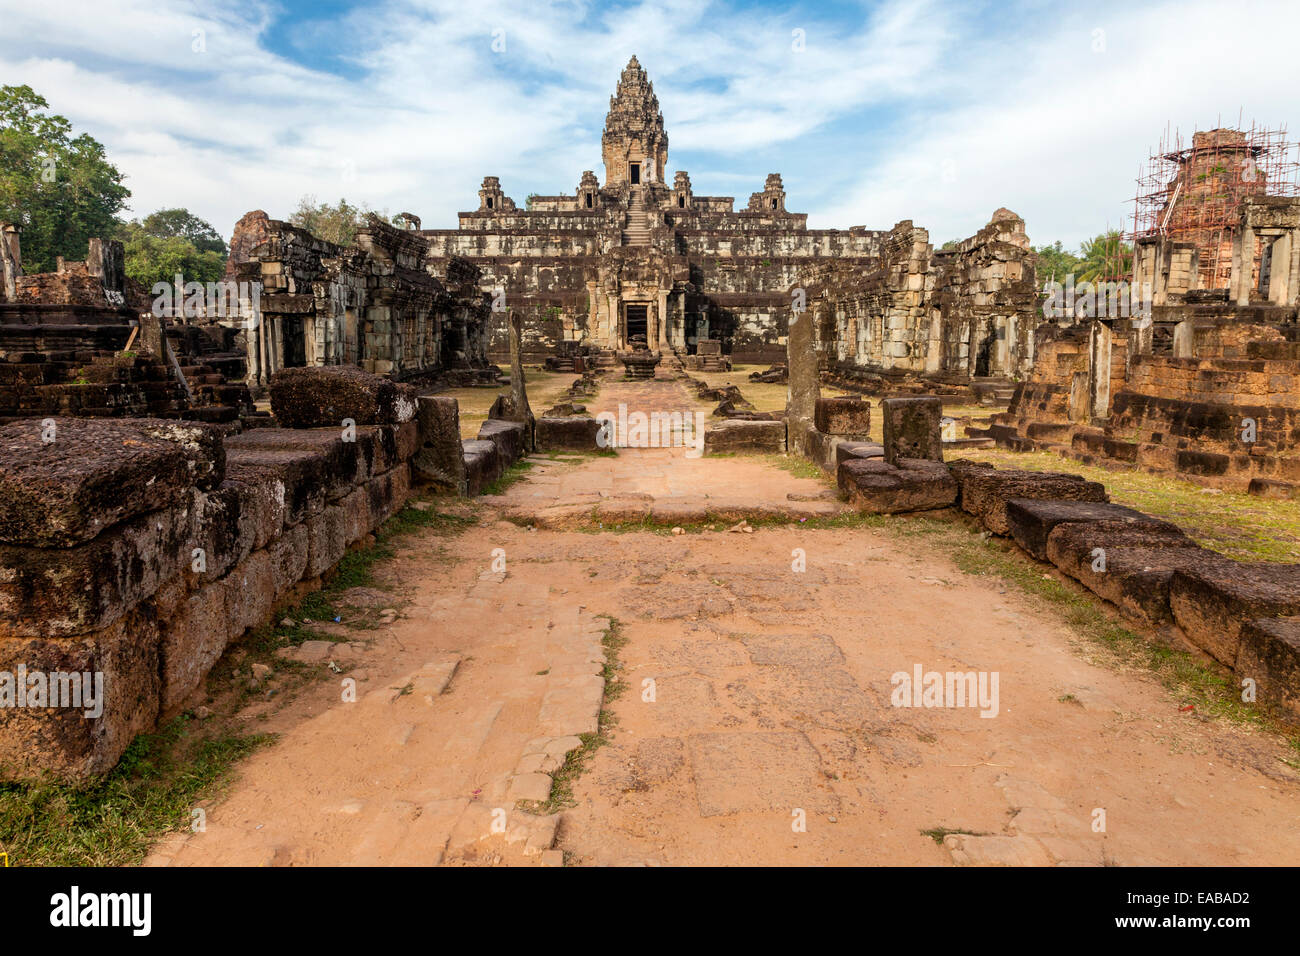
(1105, 257)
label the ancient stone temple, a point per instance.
(634, 254)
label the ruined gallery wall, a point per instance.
(968, 311)
(374, 305)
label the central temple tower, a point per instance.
(634, 145)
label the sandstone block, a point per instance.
(1031, 520)
(325, 396)
(1130, 566)
(97, 473)
(508, 436)
(745, 437)
(913, 484)
(192, 640)
(1270, 654)
(857, 449)
(1213, 602)
(440, 460)
(912, 428)
(572, 433)
(62, 741)
(986, 491)
(849, 417)
(49, 592)
(482, 465)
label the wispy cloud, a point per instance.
(935, 111)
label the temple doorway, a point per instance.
(635, 319)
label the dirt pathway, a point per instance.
(758, 723)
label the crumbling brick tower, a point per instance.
(634, 145)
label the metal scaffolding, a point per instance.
(1193, 192)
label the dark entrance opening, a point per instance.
(295, 344)
(636, 173)
(636, 320)
(984, 355)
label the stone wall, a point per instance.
(373, 305)
(957, 314)
(141, 548)
(1212, 397)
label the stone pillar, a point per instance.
(1279, 273)
(663, 322)
(1079, 398)
(615, 320)
(1243, 255)
(912, 428)
(519, 408)
(11, 263)
(1184, 340)
(1099, 342)
(805, 388)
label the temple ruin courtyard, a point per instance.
(630, 526)
(771, 695)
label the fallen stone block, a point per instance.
(1031, 520)
(912, 428)
(96, 473)
(845, 416)
(913, 484)
(1130, 566)
(1270, 655)
(857, 449)
(440, 459)
(1213, 602)
(323, 396)
(482, 465)
(745, 437)
(309, 457)
(986, 491)
(508, 436)
(571, 433)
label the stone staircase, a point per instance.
(637, 230)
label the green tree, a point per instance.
(1056, 262)
(172, 241)
(1106, 256)
(183, 224)
(60, 189)
(337, 223)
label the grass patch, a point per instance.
(514, 474)
(112, 822)
(1241, 526)
(576, 761)
(798, 466)
(938, 833)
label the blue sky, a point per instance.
(935, 111)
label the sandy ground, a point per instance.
(757, 725)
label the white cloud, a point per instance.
(920, 111)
